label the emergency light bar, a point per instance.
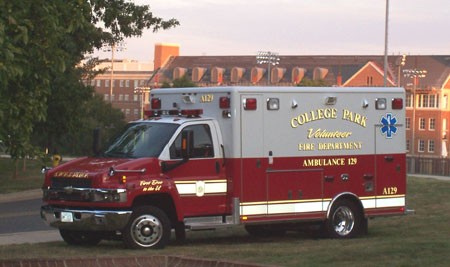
(174, 112)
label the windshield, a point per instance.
(141, 140)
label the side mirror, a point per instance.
(96, 144)
(187, 144)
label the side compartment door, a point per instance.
(253, 182)
(390, 161)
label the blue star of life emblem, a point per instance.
(388, 127)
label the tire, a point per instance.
(345, 221)
(149, 227)
(80, 238)
(265, 230)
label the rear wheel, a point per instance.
(345, 221)
(149, 227)
(80, 238)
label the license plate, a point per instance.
(66, 217)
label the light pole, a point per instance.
(386, 44)
(415, 74)
(269, 58)
(143, 90)
(400, 62)
(114, 47)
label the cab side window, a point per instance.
(202, 147)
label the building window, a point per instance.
(431, 146)
(421, 147)
(409, 101)
(136, 83)
(127, 97)
(445, 101)
(121, 83)
(422, 124)
(136, 112)
(369, 80)
(99, 83)
(135, 98)
(423, 101)
(107, 83)
(408, 145)
(408, 123)
(120, 97)
(106, 97)
(127, 83)
(127, 111)
(113, 97)
(432, 124)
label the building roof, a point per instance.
(345, 66)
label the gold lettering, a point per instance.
(319, 133)
(313, 115)
(306, 146)
(207, 98)
(354, 117)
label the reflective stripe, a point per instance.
(314, 205)
(283, 207)
(201, 188)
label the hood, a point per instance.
(90, 167)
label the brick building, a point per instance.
(425, 78)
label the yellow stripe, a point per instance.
(205, 181)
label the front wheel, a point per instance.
(149, 227)
(345, 221)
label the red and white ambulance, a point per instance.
(268, 158)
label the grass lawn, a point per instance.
(422, 239)
(28, 177)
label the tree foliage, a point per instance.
(41, 45)
(179, 83)
(312, 83)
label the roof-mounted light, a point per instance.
(155, 103)
(224, 102)
(397, 103)
(250, 103)
(188, 99)
(192, 112)
(273, 103)
(380, 103)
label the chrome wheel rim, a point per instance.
(343, 221)
(146, 231)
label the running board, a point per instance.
(208, 223)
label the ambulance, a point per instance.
(269, 159)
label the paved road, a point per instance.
(20, 221)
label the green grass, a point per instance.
(422, 239)
(28, 177)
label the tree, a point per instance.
(312, 83)
(179, 83)
(41, 45)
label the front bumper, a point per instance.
(85, 220)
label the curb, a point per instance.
(150, 261)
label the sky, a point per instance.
(296, 27)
